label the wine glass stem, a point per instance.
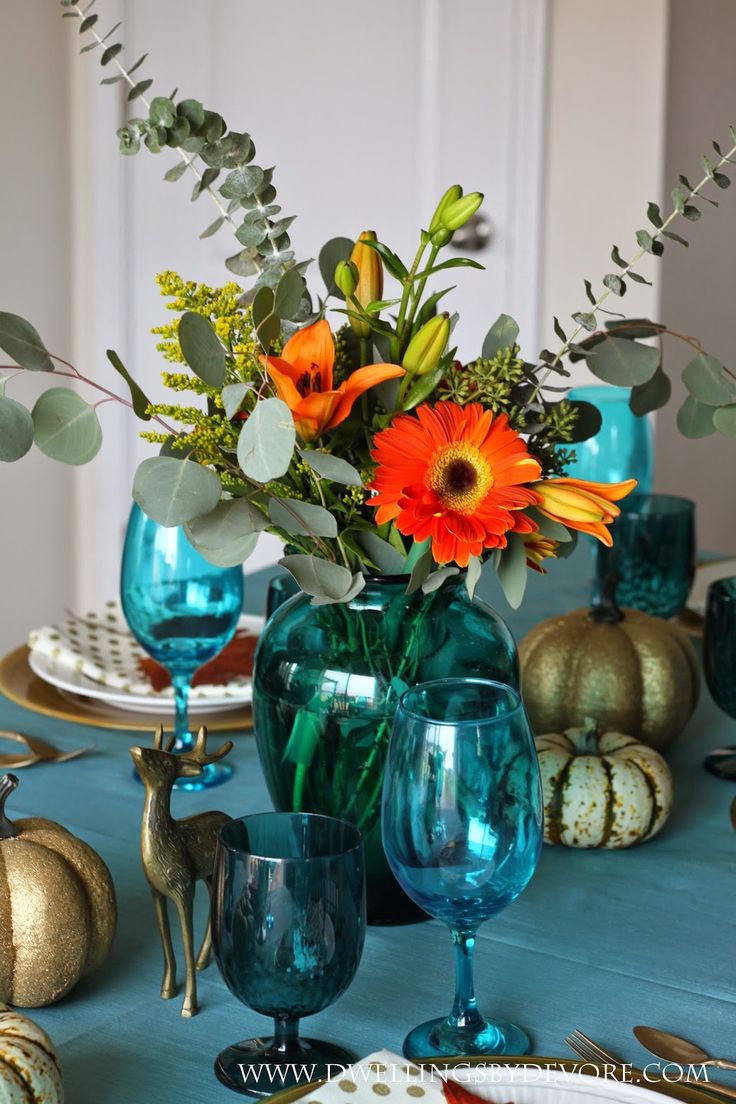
(465, 1009)
(183, 740)
(285, 1034)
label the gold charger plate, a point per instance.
(690, 1094)
(20, 685)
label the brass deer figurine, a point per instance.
(177, 853)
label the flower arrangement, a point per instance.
(359, 439)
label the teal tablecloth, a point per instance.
(600, 940)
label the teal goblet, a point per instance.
(288, 925)
(653, 554)
(462, 830)
(719, 663)
(183, 610)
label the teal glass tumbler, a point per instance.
(719, 663)
(462, 829)
(653, 554)
(623, 448)
(288, 926)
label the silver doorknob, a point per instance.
(474, 236)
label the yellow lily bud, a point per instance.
(370, 278)
(457, 214)
(427, 346)
(452, 194)
(346, 277)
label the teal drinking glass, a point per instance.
(719, 662)
(182, 610)
(462, 830)
(288, 926)
(623, 447)
(653, 554)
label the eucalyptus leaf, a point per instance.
(473, 575)
(242, 182)
(416, 551)
(318, 577)
(139, 89)
(382, 554)
(162, 111)
(502, 334)
(357, 585)
(651, 395)
(232, 397)
(266, 442)
(243, 263)
(512, 571)
(174, 492)
(289, 292)
(137, 395)
(435, 580)
(706, 380)
(202, 348)
(227, 535)
(301, 519)
(20, 340)
(65, 427)
(331, 467)
(694, 419)
(622, 362)
(588, 421)
(213, 227)
(16, 429)
(548, 527)
(331, 253)
(420, 569)
(586, 319)
(724, 419)
(175, 172)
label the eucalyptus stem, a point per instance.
(565, 347)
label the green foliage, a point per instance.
(301, 519)
(694, 419)
(16, 429)
(502, 334)
(65, 427)
(227, 535)
(202, 349)
(137, 395)
(266, 442)
(21, 341)
(623, 362)
(174, 492)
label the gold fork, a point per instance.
(589, 1051)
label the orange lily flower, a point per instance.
(583, 505)
(302, 376)
(537, 549)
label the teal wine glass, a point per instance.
(288, 926)
(623, 447)
(182, 610)
(719, 663)
(462, 830)
(653, 554)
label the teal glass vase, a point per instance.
(326, 684)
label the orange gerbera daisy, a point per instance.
(302, 376)
(455, 474)
(581, 504)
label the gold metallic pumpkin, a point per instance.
(29, 1065)
(601, 790)
(57, 908)
(633, 673)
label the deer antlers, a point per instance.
(198, 754)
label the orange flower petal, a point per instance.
(310, 349)
(357, 383)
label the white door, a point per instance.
(368, 111)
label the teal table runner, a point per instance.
(600, 940)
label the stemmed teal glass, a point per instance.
(288, 927)
(462, 830)
(719, 663)
(183, 611)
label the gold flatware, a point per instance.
(588, 1050)
(674, 1049)
(38, 751)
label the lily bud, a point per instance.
(346, 277)
(427, 346)
(370, 278)
(457, 214)
(451, 196)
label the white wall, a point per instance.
(605, 141)
(36, 495)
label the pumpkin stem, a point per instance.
(8, 782)
(586, 737)
(606, 610)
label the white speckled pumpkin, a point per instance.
(604, 790)
(29, 1065)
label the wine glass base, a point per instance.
(438, 1039)
(255, 1068)
(213, 774)
(722, 763)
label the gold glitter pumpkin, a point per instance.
(601, 790)
(29, 1065)
(57, 908)
(633, 673)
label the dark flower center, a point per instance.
(460, 476)
(309, 382)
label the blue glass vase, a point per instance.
(326, 684)
(183, 610)
(623, 448)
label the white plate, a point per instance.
(210, 699)
(539, 1085)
